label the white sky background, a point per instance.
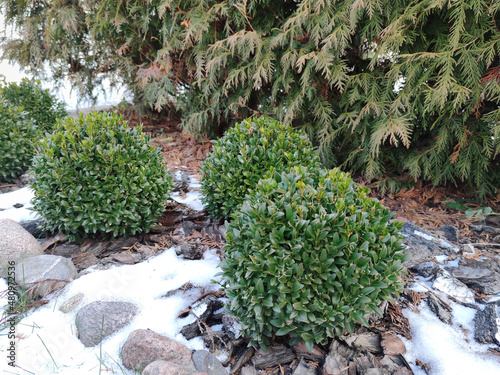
(13, 73)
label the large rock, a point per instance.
(144, 347)
(100, 319)
(487, 325)
(205, 361)
(41, 273)
(161, 367)
(15, 244)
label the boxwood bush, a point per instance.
(41, 106)
(95, 175)
(244, 155)
(309, 255)
(16, 141)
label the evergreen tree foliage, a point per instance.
(405, 86)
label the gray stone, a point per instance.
(204, 361)
(487, 325)
(453, 288)
(304, 369)
(439, 308)
(40, 273)
(482, 276)
(190, 251)
(161, 367)
(451, 233)
(15, 244)
(100, 319)
(71, 303)
(144, 346)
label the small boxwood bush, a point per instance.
(244, 155)
(95, 175)
(41, 106)
(309, 254)
(16, 141)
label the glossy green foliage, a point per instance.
(94, 175)
(247, 153)
(43, 108)
(17, 133)
(310, 255)
(406, 90)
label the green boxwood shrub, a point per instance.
(95, 175)
(41, 106)
(244, 155)
(309, 254)
(16, 145)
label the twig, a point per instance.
(435, 294)
(186, 311)
(209, 330)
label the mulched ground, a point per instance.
(424, 205)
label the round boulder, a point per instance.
(100, 319)
(144, 346)
(204, 361)
(16, 244)
(44, 274)
(161, 367)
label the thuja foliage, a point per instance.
(404, 86)
(39, 104)
(94, 175)
(17, 133)
(309, 255)
(247, 153)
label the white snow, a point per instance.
(47, 335)
(449, 350)
(192, 198)
(22, 196)
(48, 343)
(142, 284)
